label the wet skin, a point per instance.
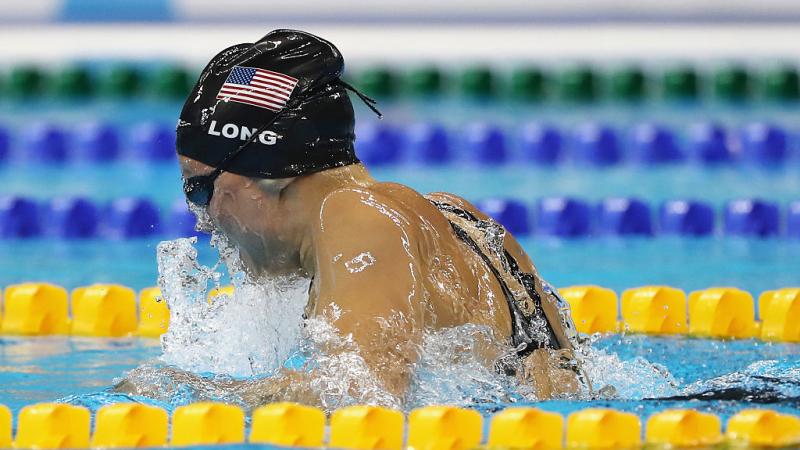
(385, 266)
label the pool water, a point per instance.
(81, 370)
(649, 374)
(690, 264)
(750, 373)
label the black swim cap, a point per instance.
(282, 98)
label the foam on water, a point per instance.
(253, 333)
(249, 333)
(627, 379)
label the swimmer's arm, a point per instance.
(367, 287)
(368, 284)
(165, 383)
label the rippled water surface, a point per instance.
(256, 331)
(733, 375)
(259, 329)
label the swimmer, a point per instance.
(266, 149)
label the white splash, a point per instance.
(253, 332)
(341, 377)
(455, 369)
(249, 333)
(630, 379)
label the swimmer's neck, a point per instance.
(301, 200)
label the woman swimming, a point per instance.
(266, 148)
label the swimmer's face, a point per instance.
(247, 211)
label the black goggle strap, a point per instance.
(369, 101)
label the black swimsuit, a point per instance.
(531, 329)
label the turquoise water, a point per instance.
(649, 373)
(768, 375)
(732, 375)
(750, 264)
(161, 182)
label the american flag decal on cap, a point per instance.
(257, 87)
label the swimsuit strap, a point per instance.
(530, 328)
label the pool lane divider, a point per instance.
(592, 145)
(110, 310)
(133, 425)
(125, 218)
(525, 82)
(717, 312)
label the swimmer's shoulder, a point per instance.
(399, 197)
(405, 206)
(352, 206)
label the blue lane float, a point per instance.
(486, 143)
(541, 144)
(654, 144)
(708, 143)
(378, 144)
(45, 143)
(764, 143)
(5, 145)
(748, 217)
(19, 218)
(70, 218)
(429, 144)
(793, 220)
(624, 217)
(686, 217)
(512, 214)
(152, 142)
(97, 142)
(596, 144)
(563, 217)
(180, 220)
(130, 218)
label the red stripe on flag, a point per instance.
(248, 102)
(255, 87)
(256, 94)
(254, 98)
(266, 81)
(277, 74)
(278, 83)
(262, 87)
(258, 87)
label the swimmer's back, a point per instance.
(463, 287)
(459, 287)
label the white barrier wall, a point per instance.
(197, 43)
(407, 11)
